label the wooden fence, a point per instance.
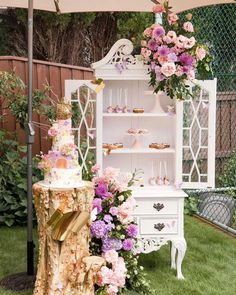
(56, 74)
(43, 71)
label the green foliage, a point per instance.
(12, 94)
(190, 205)
(228, 178)
(13, 183)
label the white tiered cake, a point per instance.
(60, 165)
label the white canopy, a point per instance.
(67, 6)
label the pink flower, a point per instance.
(162, 59)
(145, 52)
(111, 173)
(111, 256)
(200, 53)
(181, 41)
(104, 276)
(168, 69)
(172, 18)
(158, 32)
(52, 132)
(191, 75)
(125, 211)
(179, 71)
(188, 27)
(158, 8)
(95, 168)
(170, 37)
(147, 32)
(189, 43)
(112, 290)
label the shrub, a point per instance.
(13, 183)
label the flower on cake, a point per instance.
(45, 163)
(68, 149)
(173, 53)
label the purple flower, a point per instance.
(111, 244)
(110, 226)
(98, 229)
(159, 75)
(163, 50)
(186, 69)
(158, 32)
(102, 191)
(127, 244)
(186, 59)
(113, 211)
(153, 65)
(97, 203)
(152, 44)
(172, 57)
(107, 218)
(132, 230)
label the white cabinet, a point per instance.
(189, 132)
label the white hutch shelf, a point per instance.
(189, 160)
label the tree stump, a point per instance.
(65, 266)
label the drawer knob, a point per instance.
(159, 226)
(158, 206)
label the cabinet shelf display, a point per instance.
(184, 130)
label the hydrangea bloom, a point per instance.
(111, 244)
(127, 244)
(99, 229)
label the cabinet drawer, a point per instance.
(158, 226)
(156, 207)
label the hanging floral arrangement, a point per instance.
(174, 55)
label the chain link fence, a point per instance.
(216, 26)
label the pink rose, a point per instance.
(179, 71)
(147, 32)
(170, 37)
(172, 18)
(181, 41)
(112, 290)
(200, 53)
(189, 43)
(111, 256)
(145, 52)
(191, 75)
(162, 59)
(52, 132)
(104, 276)
(188, 27)
(168, 69)
(158, 8)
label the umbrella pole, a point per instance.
(30, 141)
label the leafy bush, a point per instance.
(191, 205)
(228, 178)
(13, 183)
(13, 97)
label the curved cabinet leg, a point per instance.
(173, 255)
(178, 245)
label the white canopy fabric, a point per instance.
(67, 6)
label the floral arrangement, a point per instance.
(114, 232)
(173, 53)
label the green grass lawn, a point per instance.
(209, 265)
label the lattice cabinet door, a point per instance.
(195, 161)
(84, 98)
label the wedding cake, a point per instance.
(61, 167)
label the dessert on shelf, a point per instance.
(61, 167)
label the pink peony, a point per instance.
(158, 8)
(200, 53)
(168, 69)
(125, 211)
(172, 18)
(145, 52)
(112, 290)
(147, 32)
(188, 27)
(111, 256)
(189, 43)
(162, 59)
